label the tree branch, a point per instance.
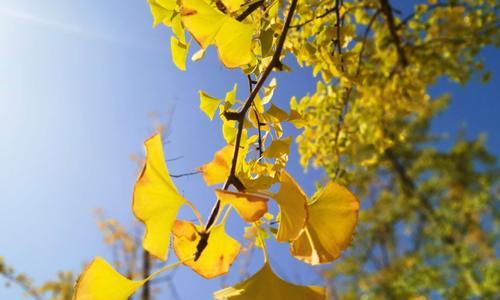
(387, 11)
(250, 9)
(232, 179)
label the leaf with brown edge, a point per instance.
(333, 215)
(156, 200)
(250, 207)
(216, 258)
(99, 281)
(292, 202)
(265, 285)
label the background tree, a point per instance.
(430, 221)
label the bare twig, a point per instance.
(184, 174)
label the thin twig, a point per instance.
(184, 174)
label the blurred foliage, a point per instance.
(430, 223)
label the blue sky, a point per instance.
(78, 83)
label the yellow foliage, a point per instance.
(156, 200)
(292, 202)
(265, 285)
(216, 258)
(100, 281)
(250, 207)
(207, 25)
(333, 215)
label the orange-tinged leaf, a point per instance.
(265, 285)
(333, 215)
(100, 281)
(250, 207)
(217, 170)
(207, 25)
(156, 199)
(292, 202)
(216, 258)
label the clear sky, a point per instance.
(78, 83)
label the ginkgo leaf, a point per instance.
(333, 215)
(229, 131)
(231, 96)
(217, 170)
(100, 281)
(162, 11)
(265, 285)
(156, 199)
(208, 26)
(233, 5)
(216, 258)
(179, 53)
(278, 148)
(250, 207)
(208, 104)
(292, 202)
(277, 113)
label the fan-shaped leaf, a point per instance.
(333, 215)
(216, 258)
(265, 285)
(100, 281)
(156, 199)
(250, 207)
(233, 39)
(293, 208)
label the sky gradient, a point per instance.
(79, 83)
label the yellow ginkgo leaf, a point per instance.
(278, 148)
(292, 202)
(208, 26)
(162, 11)
(233, 5)
(179, 53)
(216, 258)
(333, 215)
(217, 170)
(156, 199)
(250, 207)
(208, 104)
(100, 281)
(265, 285)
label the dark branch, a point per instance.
(250, 9)
(326, 13)
(387, 11)
(274, 63)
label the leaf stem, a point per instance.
(166, 268)
(262, 242)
